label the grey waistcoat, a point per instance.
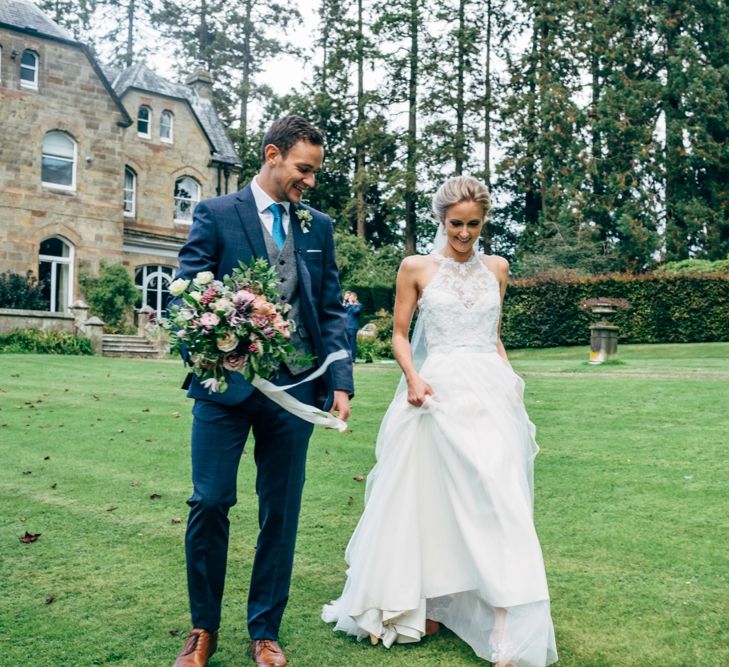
(285, 262)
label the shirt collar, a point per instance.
(263, 200)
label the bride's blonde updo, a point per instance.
(458, 189)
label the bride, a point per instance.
(447, 534)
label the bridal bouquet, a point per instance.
(235, 324)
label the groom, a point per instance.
(265, 219)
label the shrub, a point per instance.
(679, 308)
(111, 296)
(21, 292)
(44, 342)
(695, 266)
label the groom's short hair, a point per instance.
(287, 131)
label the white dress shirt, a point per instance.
(263, 201)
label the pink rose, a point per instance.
(209, 320)
(256, 347)
(234, 361)
(263, 307)
(243, 297)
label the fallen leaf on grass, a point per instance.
(65, 389)
(27, 472)
(146, 410)
(326, 451)
(358, 478)
(350, 500)
(120, 430)
(21, 519)
(155, 496)
(111, 508)
(176, 414)
(134, 421)
(15, 375)
(134, 483)
(46, 458)
(176, 519)
(174, 632)
(54, 485)
(148, 440)
(95, 397)
(50, 599)
(29, 537)
(60, 425)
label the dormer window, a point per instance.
(29, 70)
(166, 126)
(144, 122)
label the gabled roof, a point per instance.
(25, 17)
(140, 77)
(29, 18)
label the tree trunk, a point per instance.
(460, 149)
(245, 87)
(485, 231)
(676, 233)
(129, 55)
(410, 176)
(360, 180)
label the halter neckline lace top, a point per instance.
(460, 306)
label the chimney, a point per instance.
(201, 81)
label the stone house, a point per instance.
(98, 165)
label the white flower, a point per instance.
(204, 277)
(227, 342)
(178, 287)
(211, 384)
(305, 219)
(225, 305)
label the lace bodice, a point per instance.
(460, 306)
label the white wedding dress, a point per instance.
(447, 532)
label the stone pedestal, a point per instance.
(80, 312)
(143, 316)
(603, 342)
(94, 331)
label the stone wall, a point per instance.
(70, 97)
(10, 320)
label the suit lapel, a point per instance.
(248, 215)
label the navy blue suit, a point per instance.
(227, 230)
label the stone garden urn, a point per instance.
(603, 334)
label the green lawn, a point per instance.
(632, 509)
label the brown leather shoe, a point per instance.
(267, 653)
(198, 648)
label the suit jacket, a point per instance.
(226, 230)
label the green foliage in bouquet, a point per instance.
(237, 324)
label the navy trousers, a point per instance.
(352, 335)
(219, 433)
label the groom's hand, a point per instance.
(340, 405)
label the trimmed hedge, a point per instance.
(664, 308)
(44, 342)
(668, 308)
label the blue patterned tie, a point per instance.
(278, 233)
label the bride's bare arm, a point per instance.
(500, 268)
(407, 291)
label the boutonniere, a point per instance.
(305, 219)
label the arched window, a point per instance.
(58, 162)
(153, 282)
(55, 273)
(166, 123)
(187, 195)
(130, 192)
(29, 69)
(144, 121)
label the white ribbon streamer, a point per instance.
(278, 394)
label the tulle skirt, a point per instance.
(447, 532)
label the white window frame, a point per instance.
(1, 63)
(33, 85)
(55, 261)
(149, 271)
(167, 113)
(132, 200)
(74, 162)
(148, 134)
(194, 202)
